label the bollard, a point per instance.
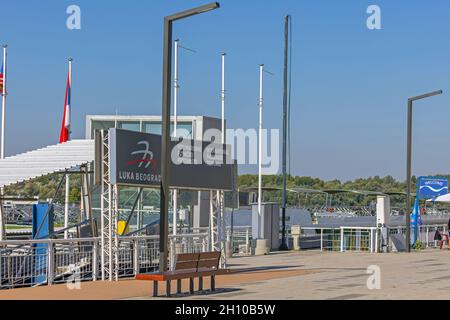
(296, 232)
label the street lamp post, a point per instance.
(165, 143)
(409, 164)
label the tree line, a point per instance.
(44, 188)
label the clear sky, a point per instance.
(350, 84)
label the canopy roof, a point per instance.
(294, 190)
(444, 198)
(365, 193)
(48, 160)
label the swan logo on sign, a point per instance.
(430, 188)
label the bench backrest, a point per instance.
(204, 260)
(186, 261)
(209, 260)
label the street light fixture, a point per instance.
(408, 165)
(165, 143)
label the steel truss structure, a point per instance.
(109, 216)
(217, 223)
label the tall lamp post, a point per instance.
(261, 101)
(165, 143)
(284, 245)
(408, 165)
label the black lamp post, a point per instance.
(408, 165)
(165, 150)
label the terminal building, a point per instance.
(191, 127)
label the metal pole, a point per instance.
(165, 154)
(165, 143)
(4, 93)
(66, 207)
(223, 97)
(175, 108)
(67, 193)
(409, 165)
(220, 193)
(284, 245)
(408, 178)
(261, 97)
(2, 217)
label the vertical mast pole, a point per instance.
(67, 194)
(261, 97)
(175, 107)
(284, 245)
(2, 217)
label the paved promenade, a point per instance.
(296, 275)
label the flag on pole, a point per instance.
(65, 129)
(2, 72)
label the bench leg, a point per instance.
(179, 286)
(155, 289)
(168, 291)
(200, 284)
(191, 285)
(213, 283)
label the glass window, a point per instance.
(184, 129)
(153, 127)
(101, 125)
(128, 125)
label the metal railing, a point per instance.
(241, 239)
(28, 263)
(340, 239)
(426, 234)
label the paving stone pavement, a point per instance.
(344, 276)
(301, 275)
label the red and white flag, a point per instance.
(65, 129)
(2, 72)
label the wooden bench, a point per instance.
(188, 266)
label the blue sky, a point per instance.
(350, 84)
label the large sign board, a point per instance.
(432, 187)
(135, 160)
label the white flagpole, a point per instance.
(175, 106)
(2, 153)
(261, 71)
(223, 98)
(66, 206)
(220, 193)
(3, 103)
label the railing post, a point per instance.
(50, 263)
(94, 260)
(371, 241)
(136, 266)
(342, 239)
(376, 240)
(247, 244)
(427, 237)
(321, 240)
